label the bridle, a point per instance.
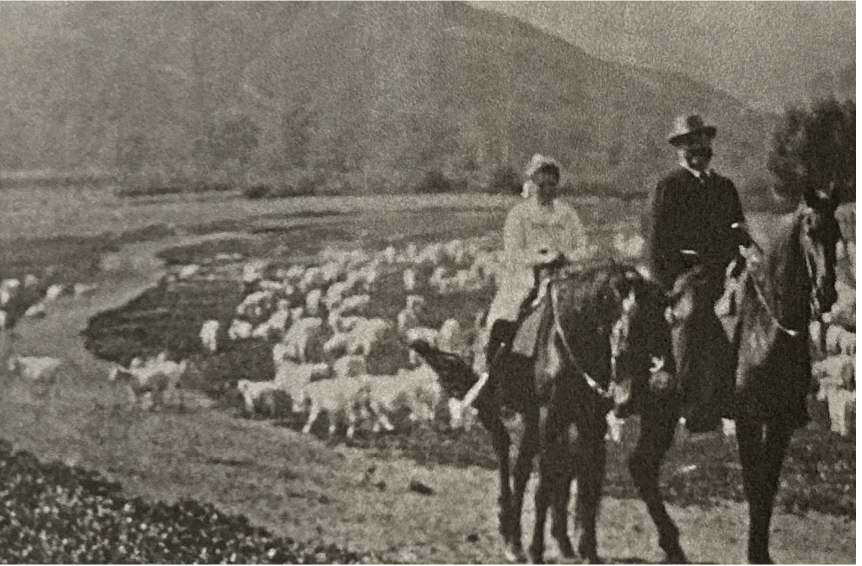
(619, 328)
(810, 272)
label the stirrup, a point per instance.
(474, 391)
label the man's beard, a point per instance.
(698, 159)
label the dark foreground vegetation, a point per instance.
(54, 513)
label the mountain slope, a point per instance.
(332, 86)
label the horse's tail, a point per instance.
(456, 376)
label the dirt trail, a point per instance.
(299, 487)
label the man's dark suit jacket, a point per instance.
(689, 213)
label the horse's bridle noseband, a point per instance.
(595, 386)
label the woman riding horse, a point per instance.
(540, 231)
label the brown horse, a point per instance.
(562, 395)
(778, 295)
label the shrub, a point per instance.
(433, 182)
(505, 181)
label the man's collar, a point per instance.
(703, 175)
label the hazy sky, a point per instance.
(764, 53)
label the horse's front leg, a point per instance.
(591, 455)
(656, 437)
(562, 496)
(527, 450)
(761, 453)
(502, 441)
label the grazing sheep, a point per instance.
(835, 337)
(847, 343)
(337, 345)
(450, 338)
(83, 289)
(209, 335)
(9, 290)
(36, 311)
(159, 378)
(355, 305)
(419, 393)
(629, 247)
(4, 320)
(344, 400)
(409, 278)
(41, 373)
(291, 377)
(369, 334)
(312, 278)
(188, 271)
(340, 323)
(253, 271)
(258, 393)
(349, 366)
(312, 302)
(240, 329)
(274, 327)
(305, 338)
(56, 291)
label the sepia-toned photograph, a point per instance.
(426, 282)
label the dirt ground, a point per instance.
(298, 486)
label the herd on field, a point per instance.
(316, 318)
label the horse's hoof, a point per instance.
(676, 557)
(589, 553)
(760, 559)
(567, 551)
(514, 554)
(537, 556)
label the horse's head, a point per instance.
(818, 235)
(641, 346)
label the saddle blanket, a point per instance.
(531, 330)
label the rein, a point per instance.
(761, 296)
(603, 392)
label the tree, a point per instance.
(814, 149)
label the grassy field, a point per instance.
(302, 487)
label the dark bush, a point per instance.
(433, 182)
(505, 181)
(256, 191)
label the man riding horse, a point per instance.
(695, 221)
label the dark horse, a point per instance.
(563, 395)
(793, 280)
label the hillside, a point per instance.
(376, 88)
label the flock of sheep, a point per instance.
(317, 319)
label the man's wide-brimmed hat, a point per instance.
(539, 161)
(689, 126)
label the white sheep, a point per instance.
(312, 302)
(409, 278)
(833, 338)
(340, 323)
(158, 379)
(258, 393)
(416, 390)
(451, 338)
(344, 400)
(36, 311)
(9, 290)
(209, 335)
(240, 329)
(304, 338)
(4, 320)
(349, 366)
(275, 325)
(337, 345)
(56, 291)
(629, 247)
(355, 305)
(369, 334)
(312, 278)
(188, 271)
(291, 377)
(253, 271)
(390, 254)
(847, 343)
(42, 374)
